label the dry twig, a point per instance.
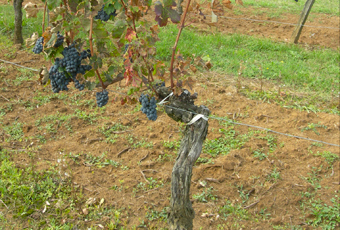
(123, 151)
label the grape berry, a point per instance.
(102, 98)
(38, 48)
(148, 106)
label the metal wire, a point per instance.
(257, 127)
(8, 62)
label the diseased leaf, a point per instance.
(174, 16)
(73, 5)
(189, 82)
(165, 12)
(47, 35)
(31, 10)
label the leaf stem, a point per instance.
(175, 46)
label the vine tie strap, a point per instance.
(196, 118)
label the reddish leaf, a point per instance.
(123, 101)
(130, 34)
(227, 3)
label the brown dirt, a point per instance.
(235, 23)
(239, 169)
(280, 198)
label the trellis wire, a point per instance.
(257, 127)
(8, 62)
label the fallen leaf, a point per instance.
(227, 3)
(85, 211)
(193, 68)
(208, 65)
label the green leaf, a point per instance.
(52, 4)
(119, 28)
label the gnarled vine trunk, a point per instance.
(181, 213)
(17, 4)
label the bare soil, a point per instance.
(258, 22)
(229, 175)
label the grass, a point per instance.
(28, 192)
(305, 70)
(223, 145)
(326, 6)
(29, 25)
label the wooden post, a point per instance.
(303, 17)
(213, 15)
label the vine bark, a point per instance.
(182, 108)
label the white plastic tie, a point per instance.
(163, 101)
(196, 118)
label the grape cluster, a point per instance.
(38, 48)
(59, 81)
(102, 15)
(148, 106)
(77, 84)
(70, 66)
(160, 84)
(59, 41)
(102, 98)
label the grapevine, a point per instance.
(132, 46)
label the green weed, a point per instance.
(235, 211)
(312, 126)
(205, 196)
(325, 216)
(259, 154)
(14, 131)
(224, 144)
(329, 157)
